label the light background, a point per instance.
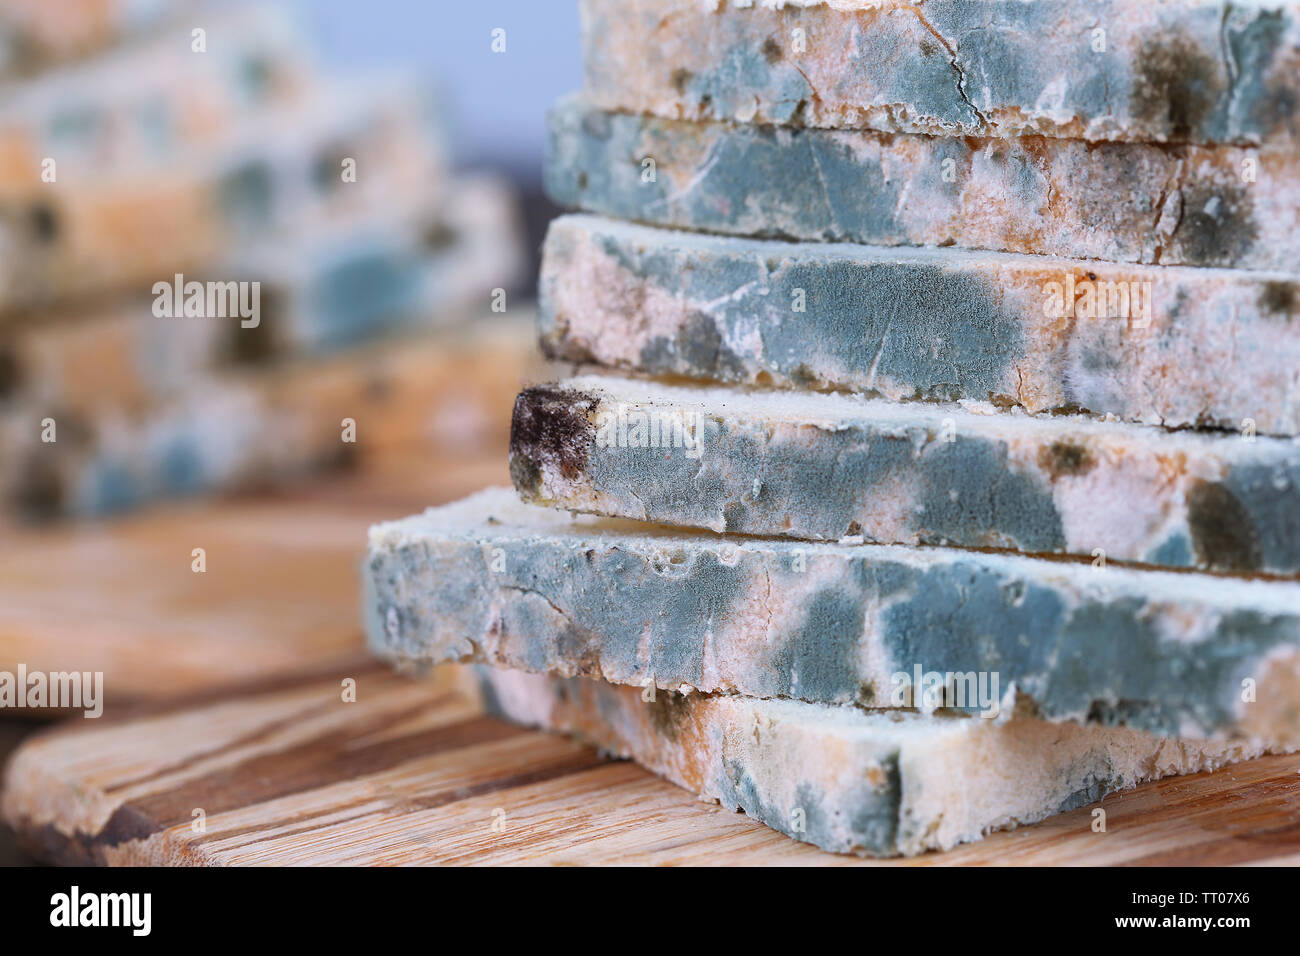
(497, 101)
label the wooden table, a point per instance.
(224, 695)
(288, 772)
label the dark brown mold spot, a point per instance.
(680, 79)
(40, 495)
(439, 236)
(1280, 298)
(582, 649)
(943, 392)
(855, 529)
(1207, 422)
(1217, 225)
(1069, 408)
(525, 474)
(733, 516)
(549, 427)
(1173, 85)
(669, 711)
(804, 377)
(1065, 458)
(772, 50)
(556, 344)
(45, 224)
(1222, 532)
(258, 344)
(10, 373)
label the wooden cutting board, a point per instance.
(289, 772)
(224, 694)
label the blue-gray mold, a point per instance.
(1199, 71)
(255, 184)
(822, 467)
(305, 296)
(884, 783)
(1125, 202)
(122, 442)
(219, 436)
(39, 40)
(493, 580)
(1166, 345)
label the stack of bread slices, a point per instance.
(210, 245)
(931, 469)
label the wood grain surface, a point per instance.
(280, 592)
(287, 772)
